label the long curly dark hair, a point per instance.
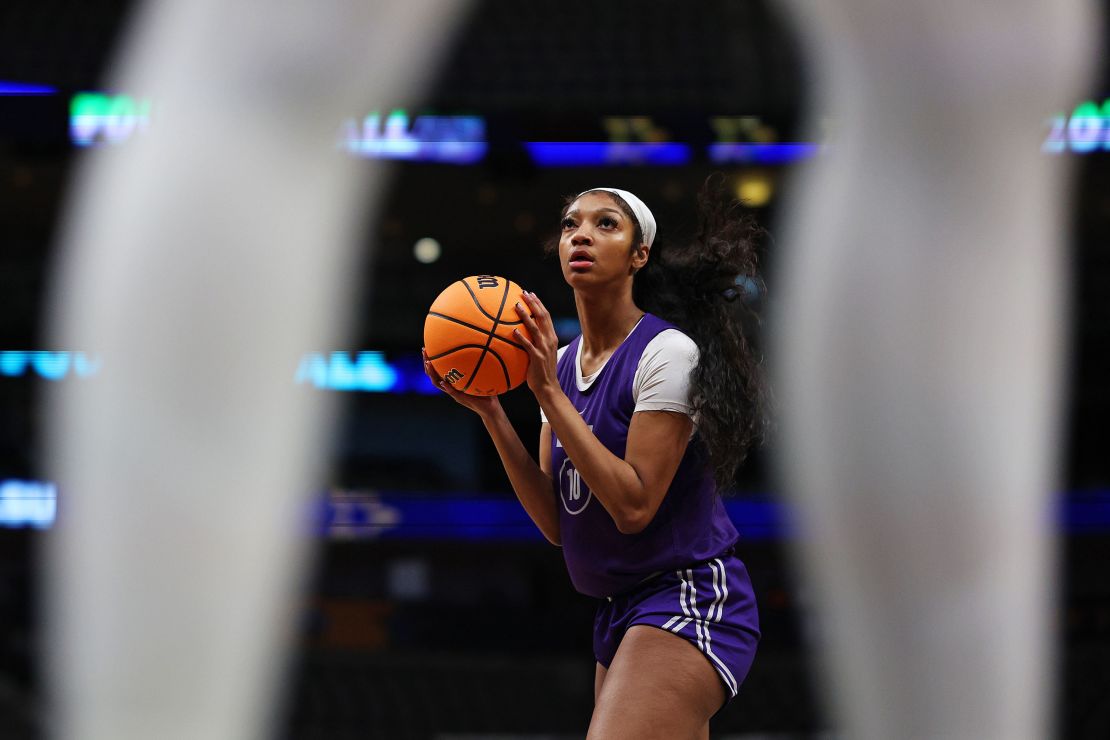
(700, 287)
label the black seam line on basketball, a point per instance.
(504, 367)
(455, 349)
(489, 339)
(483, 309)
(475, 328)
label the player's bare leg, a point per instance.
(658, 686)
(920, 353)
(599, 681)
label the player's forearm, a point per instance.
(614, 482)
(533, 487)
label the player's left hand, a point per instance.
(543, 348)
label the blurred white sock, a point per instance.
(200, 261)
(920, 354)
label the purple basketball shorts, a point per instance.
(710, 604)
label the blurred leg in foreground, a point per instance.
(201, 261)
(920, 353)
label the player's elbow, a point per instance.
(634, 519)
(551, 532)
(637, 510)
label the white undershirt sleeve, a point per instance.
(662, 380)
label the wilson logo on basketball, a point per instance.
(453, 376)
(487, 281)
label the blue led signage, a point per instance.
(1086, 130)
(444, 139)
(96, 118)
(47, 365)
(27, 503)
(366, 371)
(602, 154)
(751, 153)
(25, 88)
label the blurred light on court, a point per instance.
(754, 188)
(426, 250)
(27, 503)
(409, 579)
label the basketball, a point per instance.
(468, 335)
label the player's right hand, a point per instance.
(478, 404)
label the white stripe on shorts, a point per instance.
(706, 643)
(685, 610)
(717, 602)
(694, 608)
(724, 587)
(682, 593)
(681, 624)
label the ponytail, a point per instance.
(703, 288)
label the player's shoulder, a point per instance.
(672, 342)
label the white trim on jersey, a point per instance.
(662, 378)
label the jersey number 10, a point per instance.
(574, 484)
(575, 499)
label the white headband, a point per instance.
(641, 211)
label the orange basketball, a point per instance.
(468, 335)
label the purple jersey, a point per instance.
(691, 525)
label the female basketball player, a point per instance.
(623, 483)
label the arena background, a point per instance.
(436, 610)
